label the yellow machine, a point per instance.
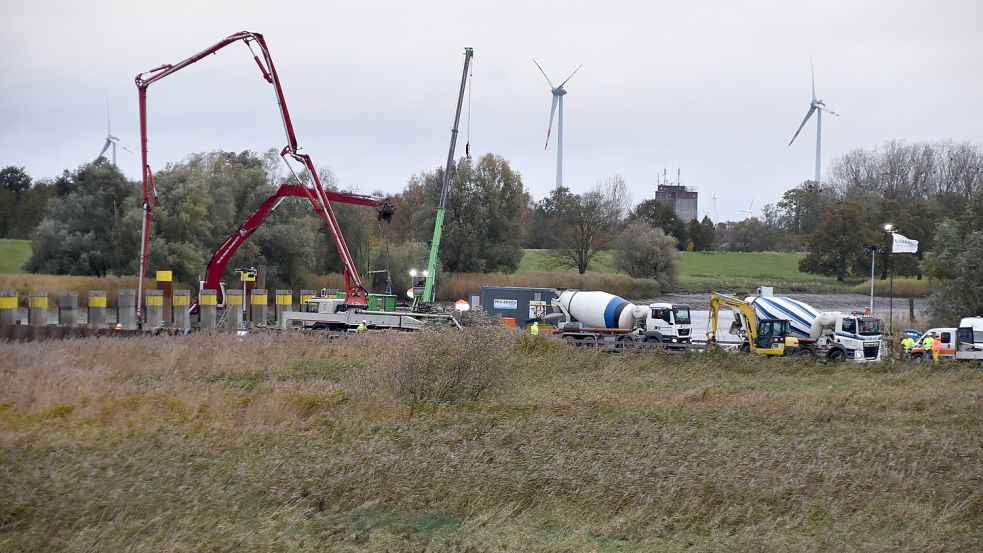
(764, 337)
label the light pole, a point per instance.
(890, 230)
(871, 250)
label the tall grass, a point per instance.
(902, 288)
(300, 443)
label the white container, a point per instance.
(600, 309)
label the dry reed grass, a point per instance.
(903, 288)
(300, 443)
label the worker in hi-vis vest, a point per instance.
(534, 328)
(936, 348)
(906, 346)
(927, 342)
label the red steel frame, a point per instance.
(316, 194)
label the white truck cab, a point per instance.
(976, 323)
(670, 321)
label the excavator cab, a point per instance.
(774, 337)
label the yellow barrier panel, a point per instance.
(97, 301)
(233, 299)
(183, 300)
(154, 301)
(283, 299)
(258, 299)
(38, 302)
(208, 299)
(8, 302)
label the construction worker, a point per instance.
(906, 345)
(927, 342)
(534, 328)
(936, 348)
(362, 326)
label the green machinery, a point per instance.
(428, 276)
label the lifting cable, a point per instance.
(467, 143)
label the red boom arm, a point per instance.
(220, 260)
(318, 196)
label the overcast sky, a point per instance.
(714, 88)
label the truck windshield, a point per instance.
(681, 313)
(869, 327)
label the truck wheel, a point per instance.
(654, 338)
(806, 352)
(837, 355)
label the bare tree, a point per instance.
(590, 222)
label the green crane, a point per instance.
(428, 276)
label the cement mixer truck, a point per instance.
(593, 318)
(831, 334)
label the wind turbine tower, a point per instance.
(817, 107)
(110, 139)
(558, 93)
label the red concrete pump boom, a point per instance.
(316, 194)
(220, 260)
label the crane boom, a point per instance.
(438, 227)
(355, 292)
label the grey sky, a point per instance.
(715, 88)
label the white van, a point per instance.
(977, 325)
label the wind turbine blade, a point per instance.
(104, 148)
(812, 109)
(125, 149)
(549, 129)
(812, 71)
(543, 72)
(571, 75)
(829, 111)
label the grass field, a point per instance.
(382, 443)
(13, 254)
(702, 271)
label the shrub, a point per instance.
(643, 251)
(432, 367)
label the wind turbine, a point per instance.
(749, 210)
(817, 107)
(110, 139)
(558, 93)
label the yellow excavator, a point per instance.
(770, 337)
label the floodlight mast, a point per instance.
(438, 227)
(355, 292)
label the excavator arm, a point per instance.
(316, 194)
(745, 312)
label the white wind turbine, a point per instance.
(558, 93)
(749, 209)
(110, 139)
(817, 107)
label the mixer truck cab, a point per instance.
(668, 323)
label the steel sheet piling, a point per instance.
(68, 303)
(37, 314)
(126, 302)
(233, 303)
(180, 303)
(257, 306)
(207, 301)
(154, 303)
(96, 309)
(8, 307)
(284, 302)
